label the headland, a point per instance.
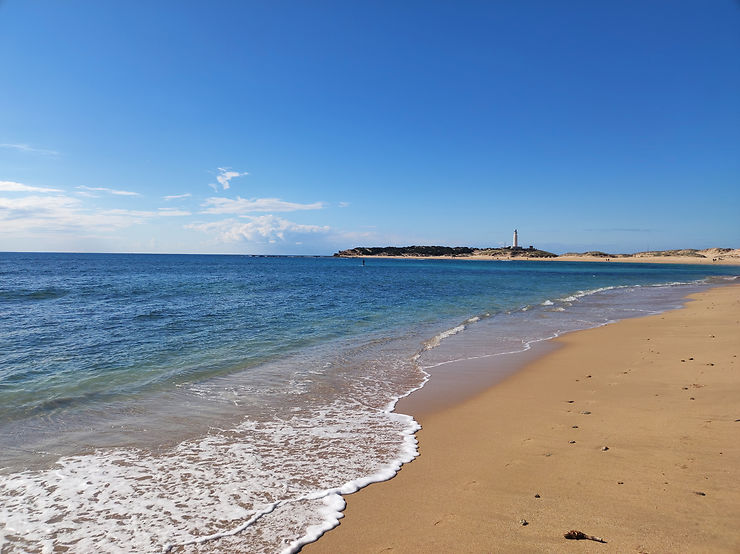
(721, 256)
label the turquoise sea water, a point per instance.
(236, 398)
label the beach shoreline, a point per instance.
(626, 431)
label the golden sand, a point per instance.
(630, 432)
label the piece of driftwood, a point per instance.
(581, 536)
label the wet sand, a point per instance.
(630, 432)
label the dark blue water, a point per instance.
(148, 361)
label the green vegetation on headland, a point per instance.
(447, 251)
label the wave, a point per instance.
(50, 293)
(567, 311)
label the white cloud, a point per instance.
(220, 205)
(110, 191)
(34, 205)
(132, 213)
(344, 204)
(265, 228)
(176, 196)
(30, 149)
(172, 212)
(57, 212)
(139, 214)
(12, 186)
(54, 214)
(224, 177)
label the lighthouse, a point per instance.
(515, 244)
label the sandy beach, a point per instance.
(628, 432)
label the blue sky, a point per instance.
(306, 127)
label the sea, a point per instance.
(195, 403)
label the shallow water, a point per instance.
(151, 401)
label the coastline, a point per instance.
(690, 260)
(659, 392)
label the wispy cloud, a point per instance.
(48, 211)
(110, 191)
(29, 149)
(344, 204)
(12, 186)
(132, 213)
(177, 196)
(224, 177)
(172, 212)
(264, 228)
(160, 212)
(220, 205)
(34, 206)
(58, 213)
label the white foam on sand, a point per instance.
(270, 484)
(223, 485)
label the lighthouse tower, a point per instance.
(515, 244)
